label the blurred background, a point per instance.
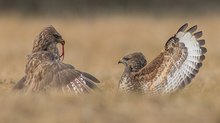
(98, 33)
(70, 7)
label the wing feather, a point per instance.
(192, 62)
(177, 65)
(198, 34)
(183, 28)
(55, 74)
(192, 29)
(73, 80)
(201, 42)
(89, 77)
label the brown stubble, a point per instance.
(95, 45)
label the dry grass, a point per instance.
(95, 45)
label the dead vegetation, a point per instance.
(95, 45)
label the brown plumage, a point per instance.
(45, 69)
(173, 68)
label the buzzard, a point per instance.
(172, 69)
(45, 69)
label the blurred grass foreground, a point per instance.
(94, 43)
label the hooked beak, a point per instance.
(62, 41)
(121, 61)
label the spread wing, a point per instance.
(177, 64)
(50, 74)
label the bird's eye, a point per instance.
(56, 36)
(127, 59)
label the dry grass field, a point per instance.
(95, 44)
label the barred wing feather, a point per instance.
(181, 76)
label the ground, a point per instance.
(95, 44)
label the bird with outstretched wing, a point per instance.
(45, 69)
(172, 69)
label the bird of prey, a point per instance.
(172, 69)
(45, 69)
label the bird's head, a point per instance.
(133, 62)
(47, 41)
